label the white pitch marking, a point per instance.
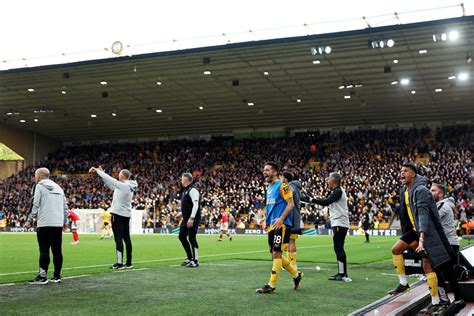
(130, 270)
(396, 275)
(209, 264)
(76, 276)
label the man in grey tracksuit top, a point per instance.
(50, 211)
(121, 211)
(339, 217)
(445, 207)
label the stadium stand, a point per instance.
(228, 172)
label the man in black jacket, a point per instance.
(366, 224)
(297, 228)
(191, 212)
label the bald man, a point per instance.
(50, 211)
(339, 216)
(121, 211)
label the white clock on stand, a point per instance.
(117, 48)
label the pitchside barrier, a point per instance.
(91, 223)
(259, 231)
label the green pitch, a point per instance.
(225, 282)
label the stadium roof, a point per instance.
(281, 78)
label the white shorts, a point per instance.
(74, 224)
(224, 226)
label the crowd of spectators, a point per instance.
(228, 173)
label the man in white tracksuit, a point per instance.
(121, 211)
(50, 211)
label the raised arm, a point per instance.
(109, 181)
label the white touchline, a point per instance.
(203, 256)
(76, 276)
(396, 275)
(130, 270)
(209, 264)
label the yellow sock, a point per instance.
(288, 256)
(399, 264)
(289, 267)
(432, 281)
(292, 258)
(276, 269)
(102, 232)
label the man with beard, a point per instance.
(445, 207)
(279, 205)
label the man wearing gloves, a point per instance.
(339, 216)
(121, 211)
(50, 211)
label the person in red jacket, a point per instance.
(225, 225)
(74, 218)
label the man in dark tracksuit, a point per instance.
(297, 228)
(191, 212)
(366, 225)
(339, 217)
(50, 211)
